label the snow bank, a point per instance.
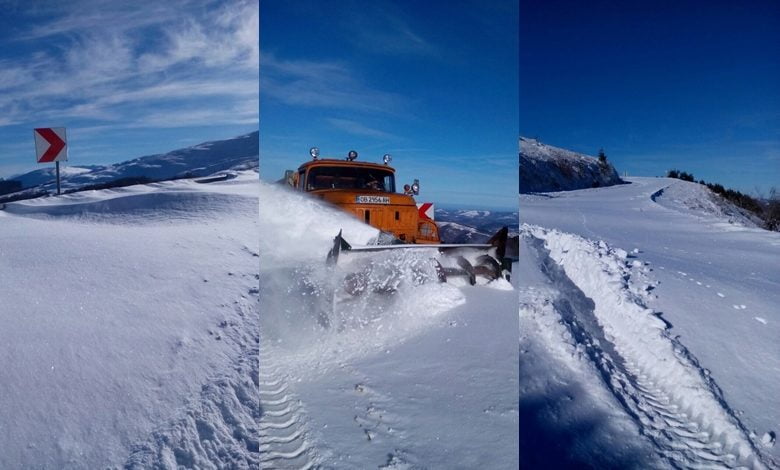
(134, 204)
(569, 419)
(657, 380)
(544, 168)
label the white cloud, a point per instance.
(61, 18)
(113, 62)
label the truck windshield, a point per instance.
(339, 177)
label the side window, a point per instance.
(301, 181)
(389, 184)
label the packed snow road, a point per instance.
(129, 327)
(423, 375)
(670, 301)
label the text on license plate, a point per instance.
(372, 200)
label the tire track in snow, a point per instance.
(655, 378)
(284, 440)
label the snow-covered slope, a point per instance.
(129, 328)
(656, 320)
(545, 168)
(408, 374)
(453, 232)
(47, 175)
(200, 160)
(698, 201)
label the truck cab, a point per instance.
(367, 191)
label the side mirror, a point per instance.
(288, 177)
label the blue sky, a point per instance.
(693, 85)
(125, 78)
(432, 83)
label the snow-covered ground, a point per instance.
(649, 330)
(420, 376)
(129, 327)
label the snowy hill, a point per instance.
(544, 168)
(649, 312)
(47, 175)
(199, 160)
(697, 200)
(129, 327)
(389, 377)
(453, 232)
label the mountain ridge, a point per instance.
(203, 159)
(545, 168)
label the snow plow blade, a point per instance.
(472, 260)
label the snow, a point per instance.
(423, 375)
(651, 293)
(699, 202)
(129, 327)
(569, 419)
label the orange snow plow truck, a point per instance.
(368, 191)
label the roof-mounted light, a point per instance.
(416, 187)
(352, 155)
(314, 152)
(387, 158)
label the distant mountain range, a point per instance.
(200, 160)
(544, 168)
(477, 226)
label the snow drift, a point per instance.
(129, 327)
(544, 168)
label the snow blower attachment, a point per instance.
(486, 261)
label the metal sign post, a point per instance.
(51, 146)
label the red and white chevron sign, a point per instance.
(50, 144)
(425, 210)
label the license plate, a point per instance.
(372, 199)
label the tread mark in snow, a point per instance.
(284, 441)
(692, 428)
